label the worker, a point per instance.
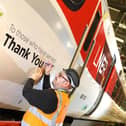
(48, 107)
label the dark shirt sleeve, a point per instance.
(46, 82)
(46, 99)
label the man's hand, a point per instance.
(48, 67)
(37, 74)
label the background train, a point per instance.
(69, 33)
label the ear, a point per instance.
(66, 84)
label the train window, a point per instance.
(91, 31)
(74, 5)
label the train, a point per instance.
(70, 33)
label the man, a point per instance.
(48, 106)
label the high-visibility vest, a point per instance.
(36, 117)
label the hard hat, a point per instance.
(73, 77)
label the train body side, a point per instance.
(51, 30)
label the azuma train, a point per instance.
(69, 33)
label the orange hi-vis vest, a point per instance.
(36, 117)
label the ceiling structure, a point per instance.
(117, 10)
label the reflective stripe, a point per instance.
(34, 111)
(60, 101)
(23, 123)
(59, 106)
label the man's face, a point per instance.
(60, 80)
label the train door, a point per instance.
(90, 37)
(102, 61)
(83, 23)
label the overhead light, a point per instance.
(122, 26)
(124, 68)
(113, 22)
(119, 39)
(114, 9)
